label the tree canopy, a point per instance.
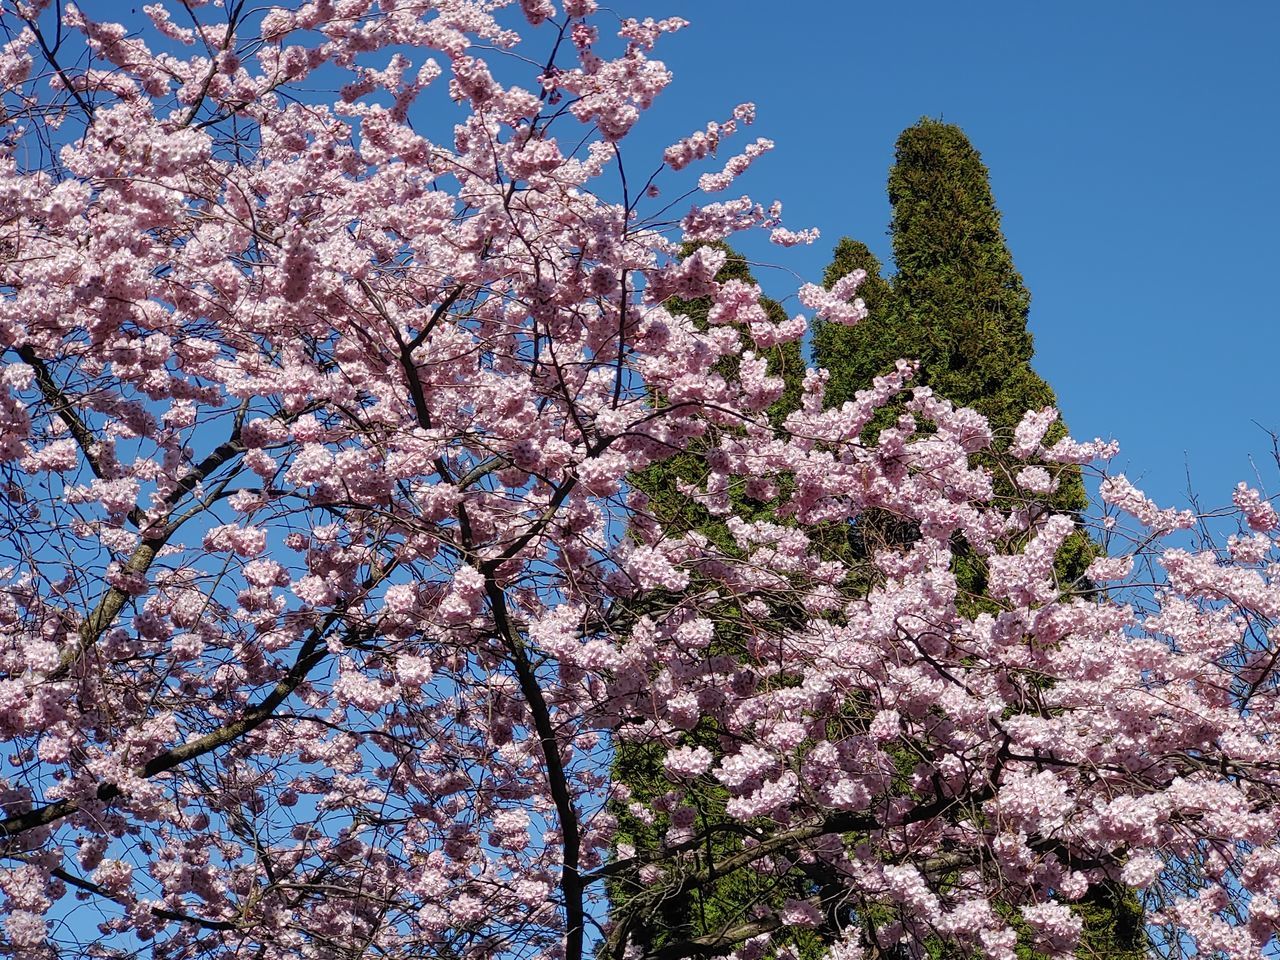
(331, 342)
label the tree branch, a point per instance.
(571, 880)
(82, 884)
(313, 651)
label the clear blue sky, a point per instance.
(1134, 151)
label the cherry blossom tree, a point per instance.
(331, 332)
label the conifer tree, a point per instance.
(958, 305)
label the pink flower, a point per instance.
(58, 456)
(887, 725)
(688, 761)
(25, 930)
(1258, 513)
(245, 541)
(791, 238)
(1109, 568)
(1031, 430)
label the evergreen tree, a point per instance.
(958, 305)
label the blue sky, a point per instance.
(1133, 150)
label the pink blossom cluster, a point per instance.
(735, 167)
(835, 305)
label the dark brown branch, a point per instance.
(55, 397)
(310, 655)
(313, 651)
(108, 608)
(553, 506)
(716, 944)
(139, 562)
(840, 822)
(436, 317)
(51, 58)
(82, 884)
(233, 21)
(571, 880)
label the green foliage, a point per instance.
(956, 282)
(957, 304)
(855, 355)
(1114, 924)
